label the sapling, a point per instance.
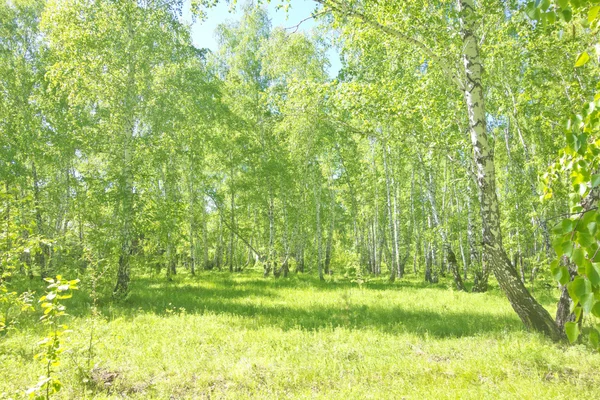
(54, 311)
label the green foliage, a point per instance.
(578, 237)
(12, 305)
(349, 263)
(51, 345)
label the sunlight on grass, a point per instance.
(240, 336)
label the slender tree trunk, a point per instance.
(204, 214)
(413, 217)
(329, 245)
(232, 222)
(401, 263)
(533, 315)
(40, 256)
(300, 256)
(126, 179)
(219, 249)
(271, 252)
(123, 273)
(192, 219)
(7, 216)
(429, 276)
(318, 231)
(395, 264)
(450, 256)
(376, 238)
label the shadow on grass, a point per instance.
(258, 303)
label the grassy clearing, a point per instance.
(238, 336)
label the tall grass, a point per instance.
(218, 335)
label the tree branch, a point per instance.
(345, 10)
(297, 26)
(235, 232)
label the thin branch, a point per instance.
(579, 213)
(313, 16)
(224, 220)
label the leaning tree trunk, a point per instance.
(533, 315)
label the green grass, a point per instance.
(241, 336)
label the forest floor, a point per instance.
(221, 335)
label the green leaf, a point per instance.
(579, 287)
(588, 223)
(578, 256)
(593, 13)
(585, 239)
(544, 5)
(595, 180)
(596, 258)
(557, 244)
(587, 302)
(561, 274)
(532, 11)
(566, 15)
(567, 248)
(572, 331)
(582, 59)
(592, 271)
(577, 311)
(567, 226)
(596, 309)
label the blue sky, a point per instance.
(203, 32)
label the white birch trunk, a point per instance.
(532, 314)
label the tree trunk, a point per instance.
(533, 315)
(123, 273)
(300, 256)
(451, 257)
(271, 251)
(318, 232)
(376, 258)
(232, 222)
(329, 245)
(125, 183)
(395, 264)
(563, 309)
(204, 234)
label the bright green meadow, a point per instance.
(218, 335)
